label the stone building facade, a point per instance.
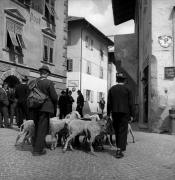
(154, 28)
(33, 33)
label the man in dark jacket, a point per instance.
(70, 101)
(4, 103)
(21, 93)
(120, 104)
(80, 103)
(62, 103)
(43, 114)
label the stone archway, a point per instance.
(10, 73)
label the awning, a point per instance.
(13, 38)
(51, 10)
(21, 41)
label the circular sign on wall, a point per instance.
(165, 41)
(73, 89)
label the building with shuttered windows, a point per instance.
(87, 62)
(33, 33)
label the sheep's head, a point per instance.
(103, 125)
(75, 115)
(95, 117)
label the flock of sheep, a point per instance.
(90, 127)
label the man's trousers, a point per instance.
(41, 120)
(120, 124)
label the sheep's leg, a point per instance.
(25, 138)
(92, 139)
(72, 149)
(55, 145)
(67, 142)
(109, 140)
(131, 132)
(52, 147)
(18, 137)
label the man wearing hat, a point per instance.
(21, 93)
(120, 105)
(4, 103)
(43, 114)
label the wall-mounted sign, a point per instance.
(165, 41)
(73, 89)
(169, 72)
(73, 83)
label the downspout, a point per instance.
(173, 34)
(81, 48)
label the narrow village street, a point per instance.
(151, 157)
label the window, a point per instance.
(101, 72)
(37, 5)
(88, 67)
(48, 50)
(89, 43)
(69, 38)
(100, 95)
(14, 40)
(92, 42)
(50, 13)
(101, 54)
(89, 95)
(69, 65)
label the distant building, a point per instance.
(33, 33)
(87, 62)
(154, 28)
(111, 69)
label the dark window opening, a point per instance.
(45, 53)
(51, 55)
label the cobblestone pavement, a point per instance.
(152, 157)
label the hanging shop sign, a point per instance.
(73, 83)
(169, 72)
(165, 41)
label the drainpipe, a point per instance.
(173, 34)
(81, 48)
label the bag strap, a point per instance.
(36, 85)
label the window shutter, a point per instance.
(13, 38)
(92, 43)
(70, 65)
(21, 41)
(51, 55)
(86, 41)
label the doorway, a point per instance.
(12, 81)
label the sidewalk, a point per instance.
(152, 157)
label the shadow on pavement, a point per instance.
(24, 147)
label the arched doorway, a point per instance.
(12, 81)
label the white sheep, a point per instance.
(89, 128)
(56, 125)
(27, 129)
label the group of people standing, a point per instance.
(65, 103)
(13, 103)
